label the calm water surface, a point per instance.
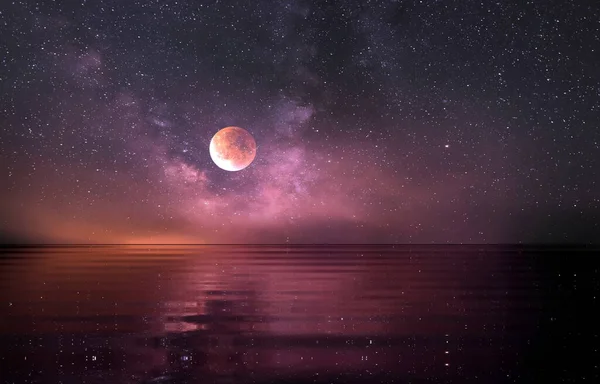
(202, 314)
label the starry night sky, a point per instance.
(375, 121)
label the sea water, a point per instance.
(201, 314)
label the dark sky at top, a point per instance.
(376, 121)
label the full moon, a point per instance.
(232, 148)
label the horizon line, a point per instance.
(293, 244)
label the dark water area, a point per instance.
(305, 314)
